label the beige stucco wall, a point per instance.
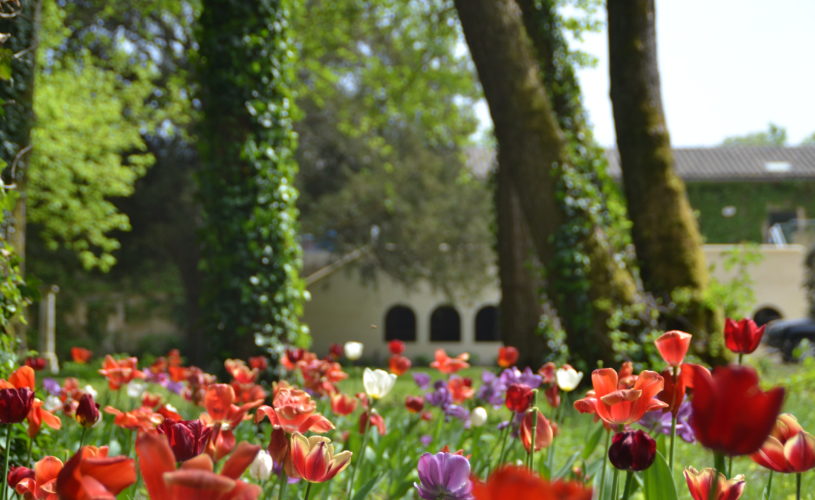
(344, 308)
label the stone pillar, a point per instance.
(48, 320)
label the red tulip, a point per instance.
(512, 482)
(314, 459)
(195, 479)
(547, 371)
(632, 450)
(701, 483)
(36, 364)
(120, 371)
(87, 412)
(39, 483)
(448, 365)
(507, 356)
(553, 395)
(399, 364)
(731, 414)
(335, 351)
(343, 404)
(91, 474)
(543, 431)
(461, 388)
(372, 418)
(615, 403)
(788, 448)
(17, 474)
(259, 362)
(396, 347)
(293, 410)
(187, 438)
(80, 355)
(673, 346)
(414, 404)
(742, 337)
(519, 397)
(675, 388)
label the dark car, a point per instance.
(786, 334)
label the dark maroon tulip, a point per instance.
(742, 337)
(731, 414)
(17, 474)
(632, 450)
(36, 364)
(15, 404)
(187, 438)
(87, 412)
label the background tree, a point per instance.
(773, 136)
(251, 292)
(664, 230)
(531, 146)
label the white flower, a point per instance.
(170, 407)
(353, 350)
(52, 403)
(378, 383)
(136, 388)
(261, 468)
(478, 416)
(88, 389)
(568, 378)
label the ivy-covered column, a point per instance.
(252, 293)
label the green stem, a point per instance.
(730, 466)
(308, 491)
(629, 481)
(358, 461)
(531, 458)
(741, 356)
(284, 481)
(503, 442)
(674, 412)
(605, 462)
(718, 461)
(5, 460)
(82, 437)
(30, 446)
(614, 480)
(798, 486)
(769, 486)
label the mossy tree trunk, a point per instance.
(665, 232)
(531, 148)
(520, 274)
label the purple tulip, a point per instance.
(515, 376)
(661, 422)
(444, 476)
(422, 380)
(456, 411)
(51, 386)
(492, 390)
(441, 397)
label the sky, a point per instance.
(728, 67)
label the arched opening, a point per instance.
(445, 325)
(400, 324)
(765, 315)
(486, 325)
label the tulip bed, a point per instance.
(333, 428)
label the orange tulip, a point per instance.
(38, 415)
(80, 355)
(673, 346)
(240, 372)
(43, 485)
(461, 389)
(701, 483)
(788, 448)
(446, 364)
(399, 364)
(314, 459)
(91, 474)
(195, 478)
(543, 431)
(293, 410)
(143, 419)
(507, 356)
(120, 372)
(512, 482)
(617, 405)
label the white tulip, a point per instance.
(261, 468)
(136, 388)
(52, 403)
(88, 389)
(568, 378)
(353, 350)
(478, 416)
(378, 383)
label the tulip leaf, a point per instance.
(567, 466)
(366, 488)
(659, 483)
(593, 441)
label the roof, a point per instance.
(737, 163)
(719, 163)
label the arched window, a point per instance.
(486, 325)
(400, 324)
(445, 325)
(765, 315)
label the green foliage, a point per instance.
(736, 296)
(252, 292)
(773, 136)
(89, 147)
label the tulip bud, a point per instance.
(87, 412)
(414, 404)
(632, 450)
(17, 474)
(673, 346)
(396, 347)
(353, 350)
(279, 445)
(261, 468)
(519, 397)
(742, 337)
(378, 383)
(478, 416)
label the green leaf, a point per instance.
(362, 493)
(659, 484)
(593, 441)
(567, 466)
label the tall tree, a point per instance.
(531, 147)
(252, 293)
(664, 230)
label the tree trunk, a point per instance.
(520, 274)
(531, 148)
(665, 232)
